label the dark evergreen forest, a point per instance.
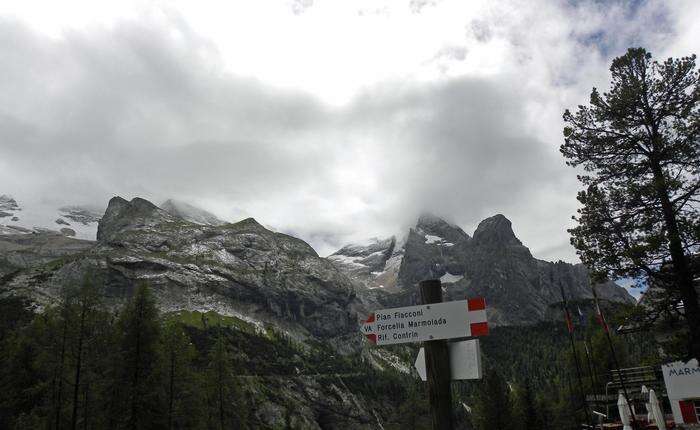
(80, 365)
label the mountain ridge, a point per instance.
(492, 263)
(240, 269)
(137, 240)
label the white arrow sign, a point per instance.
(446, 320)
(465, 360)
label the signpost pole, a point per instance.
(437, 364)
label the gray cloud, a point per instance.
(146, 108)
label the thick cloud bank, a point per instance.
(327, 121)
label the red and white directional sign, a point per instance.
(445, 320)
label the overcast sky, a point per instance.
(331, 120)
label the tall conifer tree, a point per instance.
(639, 145)
(139, 332)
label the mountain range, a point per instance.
(494, 264)
(195, 261)
(277, 292)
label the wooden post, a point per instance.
(437, 365)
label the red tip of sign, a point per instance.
(479, 329)
(372, 338)
(370, 319)
(476, 304)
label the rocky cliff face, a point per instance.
(518, 288)
(240, 269)
(269, 283)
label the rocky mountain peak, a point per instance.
(428, 220)
(496, 230)
(436, 229)
(249, 224)
(122, 214)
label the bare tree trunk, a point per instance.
(681, 266)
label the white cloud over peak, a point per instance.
(332, 120)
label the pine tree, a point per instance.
(25, 394)
(413, 410)
(526, 408)
(60, 366)
(639, 144)
(226, 406)
(183, 408)
(493, 408)
(85, 331)
(139, 336)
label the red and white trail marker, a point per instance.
(447, 320)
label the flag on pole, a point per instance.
(565, 306)
(601, 318)
(581, 316)
(569, 324)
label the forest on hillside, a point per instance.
(80, 365)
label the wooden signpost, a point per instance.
(432, 323)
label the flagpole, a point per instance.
(614, 356)
(591, 371)
(570, 328)
(589, 359)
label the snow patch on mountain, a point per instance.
(430, 239)
(449, 278)
(26, 217)
(373, 264)
(346, 259)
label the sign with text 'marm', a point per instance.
(447, 320)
